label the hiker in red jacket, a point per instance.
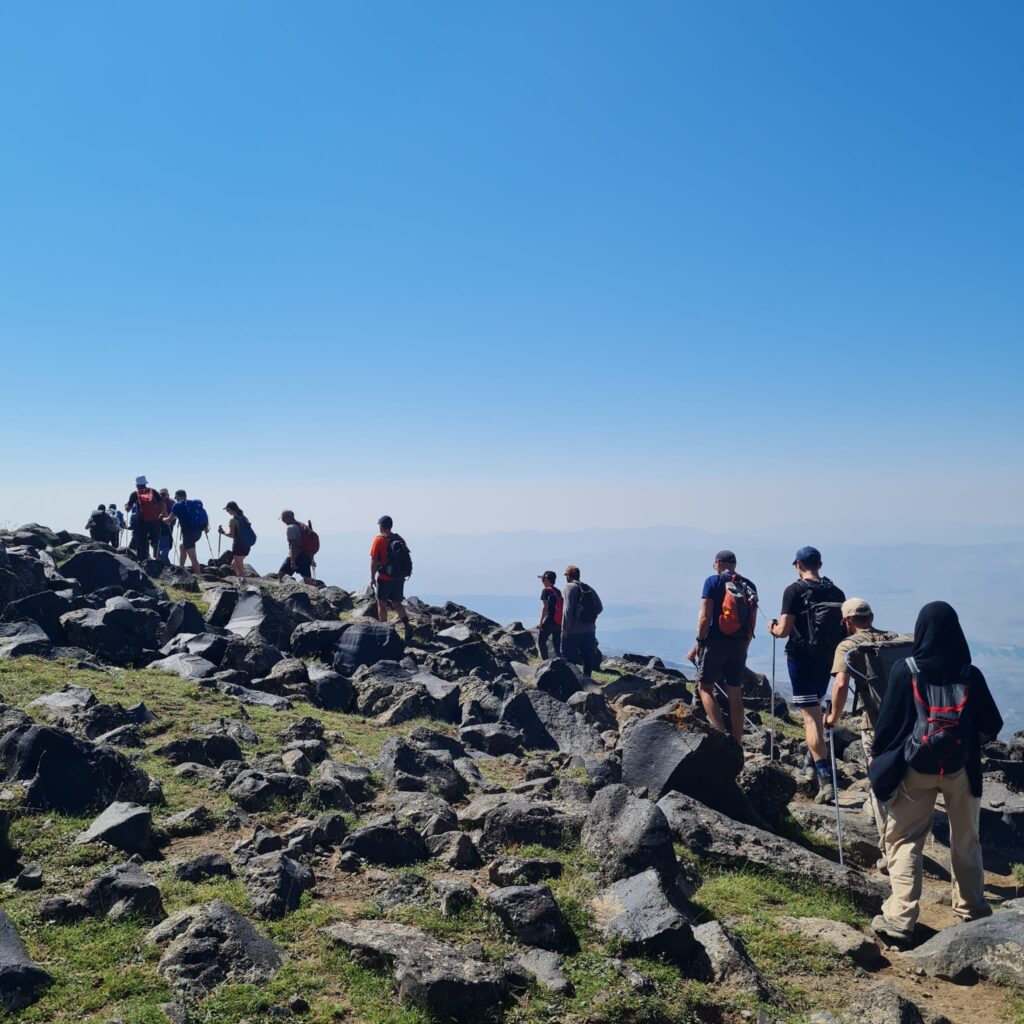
(149, 507)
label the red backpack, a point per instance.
(151, 505)
(739, 607)
(309, 539)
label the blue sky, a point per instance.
(605, 264)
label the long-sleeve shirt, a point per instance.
(571, 626)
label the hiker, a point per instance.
(101, 527)
(166, 531)
(298, 560)
(725, 627)
(147, 507)
(242, 537)
(117, 515)
(580, 609)
(864, 656)
(811, 619)
(390, 567)
(549, 629)
(936, 715)
(192, 521)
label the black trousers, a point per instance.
(144, 537)
(549, 640)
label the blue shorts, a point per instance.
(809, 678)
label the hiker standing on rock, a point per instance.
(936, 715)
(725, 627)
(811, 618)
(580, 609)
(297, 561)
(149, 507)
(549, 629)
(390, 566)
(242, 537)
(101, 527)
(860, 656)
(193, 522)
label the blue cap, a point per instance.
(808, 555)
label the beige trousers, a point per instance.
(879, 810)
(908, 826)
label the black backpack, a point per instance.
(589, 606)
(399, 565)
(941, 739)
(821, 625)
(876, 659)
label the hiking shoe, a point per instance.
(882, 926)
(826, 791)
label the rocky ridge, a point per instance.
(254, 780)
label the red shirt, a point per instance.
(379, 550)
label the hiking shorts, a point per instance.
(238, 548)
(303, 566)
(390, 590)
(723, 660)
(809, 678)
(190, 538)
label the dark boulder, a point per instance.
(627, 835)
(531, 915)
(210, 944)
(558, 678)
(389, 844)
(124, 891)
(430, 973)
(454, 849)
(44, 608)
(21, 980)
(183, 617)
(769, 788)
(96, 570)
(22, 639)
(127, 826)
(329, 690)
(203, 866)
(121, 632)
(408, 767)
(505, 871)
(366, 642)
(254, 790)
(188, 666)
(550, 724)
(317, 639)
(209, 750)
(518, 822)
(256, 613)
(275, 883)
(69, 775)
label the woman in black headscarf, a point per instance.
(941, 658)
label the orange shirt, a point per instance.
(379, 550)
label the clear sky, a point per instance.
(515, 265)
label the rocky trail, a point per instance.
(227, 801)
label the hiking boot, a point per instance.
(807, 770)
(882, 926)
(826, 791)
(882, 866)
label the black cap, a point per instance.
(727, 556)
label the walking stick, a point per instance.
(219, 538)
(746, 717)
(209, 545)
(771, 741)
(835, 783)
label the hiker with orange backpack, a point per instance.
(390, 567)
(725, 627)
(149, 507)
(303, 544)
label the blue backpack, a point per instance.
(246, 534)
(196, 515)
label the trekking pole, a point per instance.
(829, 737)
(771, 741)
(220, 537)
(206, 533)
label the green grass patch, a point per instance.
(177, 594)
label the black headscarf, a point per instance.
(940, 647)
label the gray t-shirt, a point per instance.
(294, 535)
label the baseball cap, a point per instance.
(548, 575)
(140, 481)
(807, 554)
(725, 555)
(571, 570)
(856, 608)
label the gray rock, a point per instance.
(843, 938)
(186, 823)
(455, 849)
(209, 750)
(188, 666)
(455, 897)
(884, 1003)
(531, 915)
(210, 944)
(769, 787)
(206, 865)
(545, 967)
(257, 698)
(29, 878)
(710, 834)
(97, 570)
(550, 724)
(991, 948)
(725, 961)
(69, 699)
(408, 767)
(519, 822)
(429, 972)
(386, 844)
(23, 639)
(507, 871)
(645, 918)
(21, 980)
(558, 678)
(253, 790)
(60, 910)
(366, 642)
(127, 826)
(275, 883)
(122, 892)
(627, 835)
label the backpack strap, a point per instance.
(912, 665)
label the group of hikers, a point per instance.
(926, 714)
(926, 710)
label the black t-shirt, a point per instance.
(552, 598)
(794, 602)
